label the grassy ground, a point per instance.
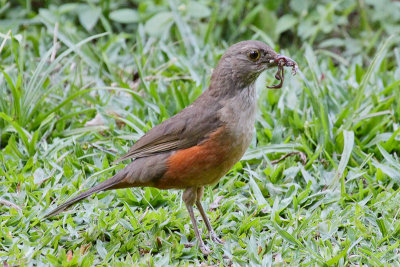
(80, 82)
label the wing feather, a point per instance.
(186, 129)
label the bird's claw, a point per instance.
(216, 239)
(205, 250)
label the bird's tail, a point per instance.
(114, 182)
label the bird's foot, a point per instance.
(204, 249)
(216, 239)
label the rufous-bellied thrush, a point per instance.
(197, 146)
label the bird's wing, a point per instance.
(187, 128)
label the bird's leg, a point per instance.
(189, 197)
(213, 235)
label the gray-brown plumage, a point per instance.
(197, 146)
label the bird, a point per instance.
(201, 143)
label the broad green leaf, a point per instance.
(198, 10)
(159, 23)
(288, 237)
(285, 23)
(125, 15)
(88, 16)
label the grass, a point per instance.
(81, 82)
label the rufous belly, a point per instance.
(203, 164)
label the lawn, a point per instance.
(80, 82)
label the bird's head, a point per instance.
(243, 62)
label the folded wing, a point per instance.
(186, 129)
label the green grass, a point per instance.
(134, 65)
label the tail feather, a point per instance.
(111, 183)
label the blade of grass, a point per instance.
(348, 137)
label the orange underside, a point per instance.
(200, 165)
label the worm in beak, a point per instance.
(283, 61)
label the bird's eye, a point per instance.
(253, 55)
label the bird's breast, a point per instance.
(238, 113)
